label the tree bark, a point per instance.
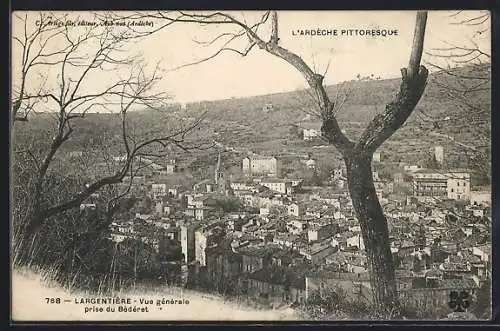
(374, 231)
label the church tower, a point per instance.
(222, 184)
(219, 172)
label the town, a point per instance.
(267, 236)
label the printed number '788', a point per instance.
(52, 300)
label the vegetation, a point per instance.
(49, 184)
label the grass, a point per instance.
(31, 288)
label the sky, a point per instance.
(231, 75)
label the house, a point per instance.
(287, 258)
(316, 253)
(476, 211)
(267, 107)
(205, 186)
(451, 185)
(421, 260)
(296, 225)
(241, 185)
(296, 182)
(159, 206)
(458, 185)
(193, 199)
(478, 267)
(278, 185)
(341, 238)
(311, 134)
(285, 239)
(171, 167)
(455, 265)
(223, 267)
(319, 232)
(295, 209)
(206, 236)
(200, 212)
(398, 178)
(263, 211)
(173, 192)
(158, 190)
(338, 173)
(311, 164)
(483, 252)
(358, 264)
(187, 239)
(256, 257)
(356, 241)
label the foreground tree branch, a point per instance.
(80, 55)
(396, 113)
(356, 156)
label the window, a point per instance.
(451, 190)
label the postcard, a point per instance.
(251, 166)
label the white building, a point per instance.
(451, 185)
(439, 154)
(310, 134)
(356, 241)
(200, 239)
(268, 107)
(278, 185)
(261, 165)
(295, 209)
(158, 189)
(458, 185)
(311, 164)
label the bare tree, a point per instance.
(464, 77)
(357, 155)
(78, 55)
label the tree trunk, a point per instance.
(374, 231)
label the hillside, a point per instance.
(242, 124)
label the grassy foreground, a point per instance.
(34, 298)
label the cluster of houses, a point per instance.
(283, 241)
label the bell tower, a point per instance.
(219, 172)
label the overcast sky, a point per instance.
(230, 75)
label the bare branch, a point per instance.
(411, 89)
(137, 89)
